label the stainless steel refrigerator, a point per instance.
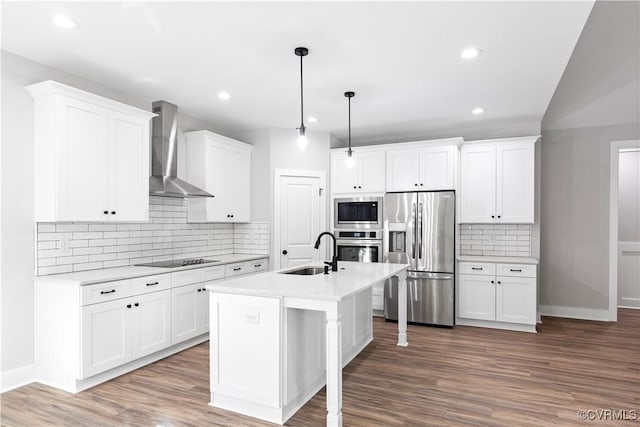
(419, 229)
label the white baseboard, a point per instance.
(18, 377)
(575, 312)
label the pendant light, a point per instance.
(350, 161)
(302, 137)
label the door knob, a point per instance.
(284, 252)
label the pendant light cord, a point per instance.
(349, 125)
(301, 100)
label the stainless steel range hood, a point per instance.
(164, 181)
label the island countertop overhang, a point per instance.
(351, 278)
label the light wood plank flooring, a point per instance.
(464, 376)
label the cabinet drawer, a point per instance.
(516, 270)
(212, 273)
(107, 291)
(239, 268)
(142, 285)
(481, 268)
(258, 265)
(186, 277)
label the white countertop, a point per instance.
(350, 278)
(498, 259)
(122, 273)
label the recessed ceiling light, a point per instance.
(470, 52)
(311, 119)
(63, 21)
(224, 95)
(477, 110)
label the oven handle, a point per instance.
(372, 242)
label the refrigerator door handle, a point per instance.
(413, 241)
(420, 230)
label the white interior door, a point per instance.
(299, 219)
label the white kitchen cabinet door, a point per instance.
(515, 182)
(151, 323)
(106, 336)
(516, 300)
(202, 310)
(477, 297)
(403, 170)
(241, 185)
(222, 167)
(478, 184)
(186, 315)
(82, 131)
(128, 167)
(371, 171)
(437, 168)
(344, 179)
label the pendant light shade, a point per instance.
(350, 160)
(302, 130)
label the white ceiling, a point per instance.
(402, 60)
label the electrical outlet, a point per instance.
(252, 317)
(64, 244)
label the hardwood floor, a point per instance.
(461, 376)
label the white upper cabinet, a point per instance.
(432, 167)
(91, 156)
(497, 181)
(366, 175)
(222, 167)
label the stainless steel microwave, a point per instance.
(357, 213)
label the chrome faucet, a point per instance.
(334, 258)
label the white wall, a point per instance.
(17, 226)
(629, 197)
(596, 102)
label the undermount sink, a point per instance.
(305, 271)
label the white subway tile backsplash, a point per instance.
(167, 236)
(495, 239)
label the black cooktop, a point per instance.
(177, 263)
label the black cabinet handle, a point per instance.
(517, 270)
(257, 265)
(231, 216)
(415, 185)
(284, 252)
(199, 290)
(228, 216)
(237, 269)
(204, 290)
(354, 187)
(136, 304)
(112, 291)
(421, 184)
(493, 216)
(492, 281)
(113, 212)
(359, 186)
(499, 282)
(106, 212)
(476, 268)
(498, 216)
(128, 305)
(152, 284)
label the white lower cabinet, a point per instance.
(88, 334)
(497, 295)
(118, 331)
(189, 312)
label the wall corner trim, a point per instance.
(575, 313)
(18, 377)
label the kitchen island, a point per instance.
(276, 339)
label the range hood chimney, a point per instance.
(164, 181)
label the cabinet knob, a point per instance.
(354, 186)
(106, 212)
(128, 305)
(415, 185)
(284, 252)
(499, 282)
(136, 304)
(493, 216)
(232, 216)
(421, 184)
(492, 281)
(199, 290)
(498, 216)
(359, 186)
(113, 212)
